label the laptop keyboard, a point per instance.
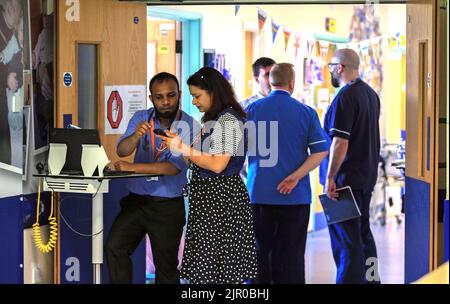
(108, 172)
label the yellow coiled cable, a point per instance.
(53, 226)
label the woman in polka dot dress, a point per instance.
(220, 242)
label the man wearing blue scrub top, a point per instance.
(280, 191)
(351, 125)
(155, 206)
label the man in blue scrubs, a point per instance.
(155, 206)
(351, 124)
(278, 183)
(261, 69)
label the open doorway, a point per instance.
(307, 36)
(173, 46)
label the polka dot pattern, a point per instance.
(220, 243)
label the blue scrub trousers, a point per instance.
(353, 245)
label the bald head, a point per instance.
(347, 57)
(282, 74)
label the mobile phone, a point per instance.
(160, 132)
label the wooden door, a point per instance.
(162, 33)
(248, 71)
(422, 138)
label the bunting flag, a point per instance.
(236, 9)
(275, 28)
(316, 49)
(296, 43)
(287, 34)
(261, 19)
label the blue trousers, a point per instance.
(354, 250)
(280, 242)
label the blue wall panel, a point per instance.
(417, 229)
(77, 210)
(11, 238)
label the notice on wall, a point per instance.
(163, 49)
(121, 102)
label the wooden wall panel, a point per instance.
(121, 53)
(162, 33)
(248, 61)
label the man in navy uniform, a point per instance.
(351, 124)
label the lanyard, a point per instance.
(197, 137)
(163, 146)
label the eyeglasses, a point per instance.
(331, 64)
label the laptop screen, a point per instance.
(74, 138)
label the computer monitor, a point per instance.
(74, 138)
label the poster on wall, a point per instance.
(121, 102)
(11, 84)
(42, 34)
(312, 74)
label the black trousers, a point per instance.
(163, 220)
(353, 245)
(280, 242)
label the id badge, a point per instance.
(152, 179)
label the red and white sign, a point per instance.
(121, 102)
(114, 109)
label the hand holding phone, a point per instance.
(160, 132)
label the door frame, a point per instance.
(192, 59)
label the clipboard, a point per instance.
(343, 209)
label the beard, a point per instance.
(167, 114)
(335, 81)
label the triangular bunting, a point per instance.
(275, 28)
(287, 34)
(236, 9)
(261, 19)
